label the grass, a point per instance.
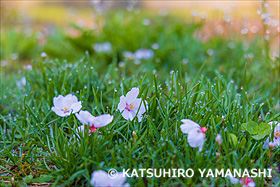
(220, 91)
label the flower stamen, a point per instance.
(65, 110)
(202, 129)
(129, 107)
(92, 128)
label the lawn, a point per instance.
(228, 85)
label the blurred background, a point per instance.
(67, 29)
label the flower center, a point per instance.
(92, 128)
(248, 180)
(277, 134)
(129, 107)
(203, 130)
(65, 110)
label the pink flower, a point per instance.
(196, 134)
(131, 106)
(64, 106)
(94, 122)
(247, 182)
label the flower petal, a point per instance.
(196, 139)
(118, 180)
(69, 100)
(76, 107)
(58, 101)
(85, 117)
(71, 97)
(99, 178)
(128, 115)
(276, 142)
(139, 118)
(102, 120)
(122, 103)
(132, 95)
(60, 112)
(140, 106)
(233, 180)
(251, 184)
(188, 125)
(266, 144)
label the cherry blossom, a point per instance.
(196, 134)
(131, 106)
(94, 122)
(66, 105)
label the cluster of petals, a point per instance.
(66, 105)
(69, 104)
(244, 182)
(196, 134)
(247, 182)
(93, 122)
(131, 106)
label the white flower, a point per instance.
(196, 134)
(247, 182)
(101, 178)
(143, 54)
(22, 82)
(276, 137)
(233, 180)
(130, 105)
(104, 47)
(94, 122)
(219, 139)
(64, 106)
